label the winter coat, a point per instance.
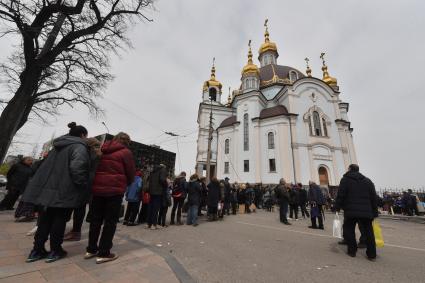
(115, 171)
(302, 196)
(194, 193)
(227, 189)
(315, 195)
(18, 176)
(180, 187)
(166, 200)
(62, 179)
(294, 197)
(213, 194)
(133, 191)
(158, 181)
(282, 194)
(357, 196)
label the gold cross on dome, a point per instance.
(213, 61)
(265, 22)
(322, 56)
(249, 43)
(307, 60)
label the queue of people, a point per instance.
(80, 172)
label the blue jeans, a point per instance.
(192, 215)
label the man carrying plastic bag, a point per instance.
(357, 197)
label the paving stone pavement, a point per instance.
(137, 262)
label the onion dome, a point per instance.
(212, 82)
(250, 67)
(267, 45)
(331, 81)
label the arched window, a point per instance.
(293, 76)
(309, 126)
(226, 146)
(245, 133)
(316, 124)
(213, 94)
(270, 139)
(325, 129)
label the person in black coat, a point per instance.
(194, 200)
(282, 196)
(317, 200)
(357, 197)
(17, 180)
(302, 193)
(59, 185)
(213, 198)
(294, 200)
(227, 196)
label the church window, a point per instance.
(316, 124)
(325, 129)
(309, 126)
(213, 94)
(270, 139)
(293, 76)
(226, 167)
(226, 146)
(245, 133)
(246, 165)
(272, 165)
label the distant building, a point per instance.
(146, 155)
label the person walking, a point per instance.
(282, 195)
(59, 186)
(157, 184)
(17, 180)
(194, 200)
(293, 202)
(114, 173)
(317, 200)
(302, 193)
(132, 196)
(357, 197)
(179, 195)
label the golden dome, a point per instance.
(212, 81)
(331, 81)
(250, 67)
(267, 45)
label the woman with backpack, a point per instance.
(179, 195)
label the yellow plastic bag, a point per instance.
(379, 240)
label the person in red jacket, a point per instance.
(114, 173)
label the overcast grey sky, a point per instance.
(374, 48)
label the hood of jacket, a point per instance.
(67, 140)
(112, 146)
(355, 176)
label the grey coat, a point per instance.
(62, 180)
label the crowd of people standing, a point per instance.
(80, 172)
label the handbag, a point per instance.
(337, 227)
(377, 231)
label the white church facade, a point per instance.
(280, 123)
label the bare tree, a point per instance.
(63, 55)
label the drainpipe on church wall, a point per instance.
(292, 149)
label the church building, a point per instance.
(280, 123)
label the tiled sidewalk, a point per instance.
(136, 262)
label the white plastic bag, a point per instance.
(337, 227)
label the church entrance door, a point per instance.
(323, 176)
